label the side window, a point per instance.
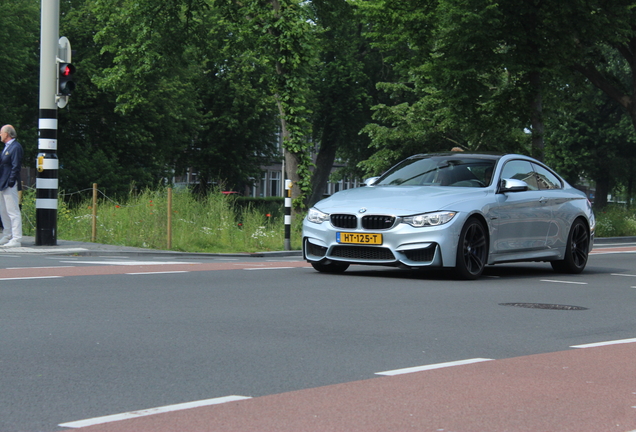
(545, 179)
(520, 170)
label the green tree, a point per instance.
(280, 35)
(156, 96)
(589, 136)
(124, 123)
(448, 85)
(19, 37)
(342, 90)
(238, 132)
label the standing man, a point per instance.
(10, 184)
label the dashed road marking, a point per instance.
(598, 344)
(562, 281)
(155, 273)
(268, 268)
(431, 366)
(31, 277)
(31, 268)
(131, 263)
(151, 411)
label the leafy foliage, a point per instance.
(19, 34)
(217, 85)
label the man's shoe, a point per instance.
(4, 240)
(13, 243)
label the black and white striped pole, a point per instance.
(288, 218)
(47, 163)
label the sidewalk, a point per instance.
(92, 249)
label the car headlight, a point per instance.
(316, 216)
(429, 219)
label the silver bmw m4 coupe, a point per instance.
(453, 210)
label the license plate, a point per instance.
(359, 238)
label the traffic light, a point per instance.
(65, 83)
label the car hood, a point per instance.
(398, 200)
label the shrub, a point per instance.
(615, 221)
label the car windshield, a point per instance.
(448, 170)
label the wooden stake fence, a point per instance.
(169, 218)
(94, 227)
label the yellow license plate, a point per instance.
(359, 238)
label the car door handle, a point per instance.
(543, 200)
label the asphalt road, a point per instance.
(89, 336)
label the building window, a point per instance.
(275, 183)
(263, 185)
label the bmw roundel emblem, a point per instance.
(362, 210)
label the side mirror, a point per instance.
(370, 181)
(512, 185)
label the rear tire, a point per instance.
(576, 251)
(331, 267)
(472, 250)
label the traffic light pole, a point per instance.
(47, 162)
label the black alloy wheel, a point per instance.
(576, 251)
(472, 250)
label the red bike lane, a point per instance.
(583, 390)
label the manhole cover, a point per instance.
(544, 306)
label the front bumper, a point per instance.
(402, 245)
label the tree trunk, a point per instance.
(324, 163)
(538, 128)
(291, 159)
(602, 190)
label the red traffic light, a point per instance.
(67, 69)
(65, 84)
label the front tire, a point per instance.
(331, 267)
(576, 251)
(472, 250)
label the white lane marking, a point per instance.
(600, 252)
(151, 411)
(29, 268)
(268, 268)
(623, 274)
(130, 263)
(562, 281)
(432, 366)
(164, 272)
(284, 260)
(597, 344)
(31, 277)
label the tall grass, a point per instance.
(214, 223)
(615, 221)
